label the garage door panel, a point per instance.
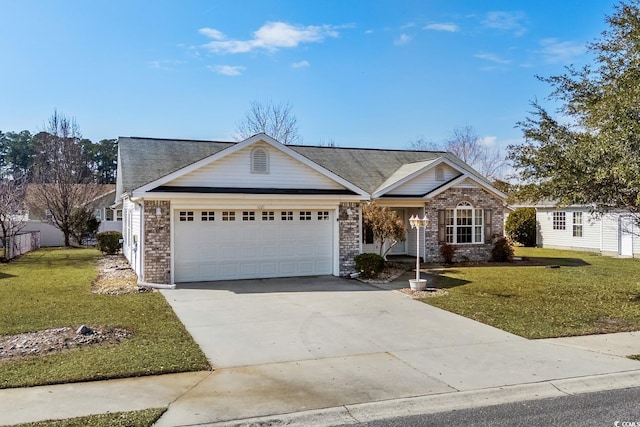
(222, 250)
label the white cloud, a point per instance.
(369, 32)
(403, 39)
(555, 51)
(212, 33)
(506, 21)
(301, 64)
(488, 141)
(227, 70)
(492, 57)
(271, 37)
(444, 26)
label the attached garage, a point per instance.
(245, 244)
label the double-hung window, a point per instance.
(464, 224)
(577, 224)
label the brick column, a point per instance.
(349, 236)
(157, 241)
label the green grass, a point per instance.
(144, 418)
(52, 288)
(588, 294)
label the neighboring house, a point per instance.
(576, 228)
(205, 210)
(38, 217)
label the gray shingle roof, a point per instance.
(144, 160)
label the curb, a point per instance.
(445, 402)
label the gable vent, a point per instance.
(259, 161)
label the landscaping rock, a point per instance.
(84, 330)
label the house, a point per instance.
(207, 210)
(38, 217)
(577, 228)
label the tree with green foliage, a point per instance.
(590, 153)
(387, 228)
(521, 226)
(17, 151)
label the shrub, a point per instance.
(369, 264)
(447, 252)
(108, 242)
(502, 251)
(521, 226)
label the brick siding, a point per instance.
(480, 199)
(349, 232)
(157, 242)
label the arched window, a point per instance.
(464, 224)
(259, 160)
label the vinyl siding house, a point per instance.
(576, 228)
(208, 210)
(37, 217)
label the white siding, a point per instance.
(600, 233)
(110, 226)
(131, 226)
(49, 234)
(550, 238)
(235, 171)
(610, 233)
(425, 182)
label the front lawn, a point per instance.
(587, 294)
(51, 288)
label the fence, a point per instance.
(22, 243)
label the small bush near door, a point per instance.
(108, 242)
(447, 252)
(369, 264)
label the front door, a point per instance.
(625, 228)
(401, 247)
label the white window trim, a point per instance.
(477, 238)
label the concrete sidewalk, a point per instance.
(328, 351)
(63, 401)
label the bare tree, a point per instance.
(467, 145)
(387, 228)
(276, 120)
(12, 208)
(64, 184)
(422, 144)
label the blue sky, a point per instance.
(360, 73)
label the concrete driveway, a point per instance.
(286, 345)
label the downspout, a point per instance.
(141, 243)
(155, 285)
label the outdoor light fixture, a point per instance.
(417, 223)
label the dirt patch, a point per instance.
(427, 293)
(53, 340)
(115, 277)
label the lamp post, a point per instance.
(418, 284)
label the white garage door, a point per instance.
(237, 244)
